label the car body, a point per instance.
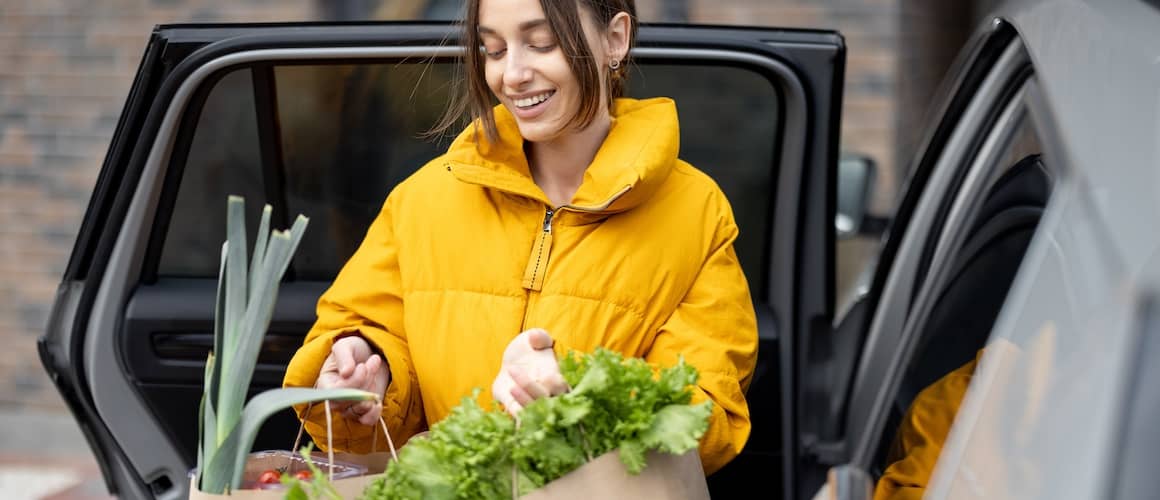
(322, 119)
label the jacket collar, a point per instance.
(634, 160)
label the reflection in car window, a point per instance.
(350, 132)
(444, 9)
(981, 272)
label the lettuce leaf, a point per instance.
(616, 404)
(465, 455)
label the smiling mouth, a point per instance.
(532, 102)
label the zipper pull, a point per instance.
(541, 253)
(548, 220)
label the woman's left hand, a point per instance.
(529, 371)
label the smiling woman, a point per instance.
(550, 225)
(561, 103)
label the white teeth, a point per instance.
(532, 101)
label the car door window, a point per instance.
(223, 158)
(977, 257)
(948, 173)
(348, 133)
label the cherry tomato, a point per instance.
(270, 477)
(303, 475)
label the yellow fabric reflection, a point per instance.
(922, 434)
(1016, 376)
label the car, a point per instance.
(1026, 205)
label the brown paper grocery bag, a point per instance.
(666, 477)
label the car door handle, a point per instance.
(277, 349)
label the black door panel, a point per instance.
(169, 330)
(169, 333)
(175, 406)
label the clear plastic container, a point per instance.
(289, 462)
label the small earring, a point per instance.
(614, 65)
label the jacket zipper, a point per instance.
(537, 268)
(541, 251)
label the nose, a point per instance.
(516, 71)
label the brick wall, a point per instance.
(65, 69)
(870, 28)
(870, 106)
(930, 35)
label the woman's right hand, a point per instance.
(529, 371)
(353, 364)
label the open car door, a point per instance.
(323, 120)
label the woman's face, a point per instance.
(526, 69)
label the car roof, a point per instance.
(1098, 65)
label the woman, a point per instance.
(560, 220)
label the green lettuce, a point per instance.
(616, 404)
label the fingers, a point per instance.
(529, 371)
(377, 376)
(344, 360)
(356, 379)
(528, 385)
(512, 405)
(365, 412)
(556, 384)
(504, 390)
(372, 417)
(343, 368)
(539, 339)
(354, 411)
(520, 397)
(373, 364)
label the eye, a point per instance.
(541, 41)
(492, 54)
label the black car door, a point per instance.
(324, 120)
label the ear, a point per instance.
(618, 37)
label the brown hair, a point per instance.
(475, 98)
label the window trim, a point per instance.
(180, 146)
(980, 176)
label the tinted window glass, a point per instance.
(729, 119)
(349, 133)
(223, 159)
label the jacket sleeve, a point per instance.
(921, 435)
(365, 298)
(715, 329)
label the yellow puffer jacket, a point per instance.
(468, 252)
